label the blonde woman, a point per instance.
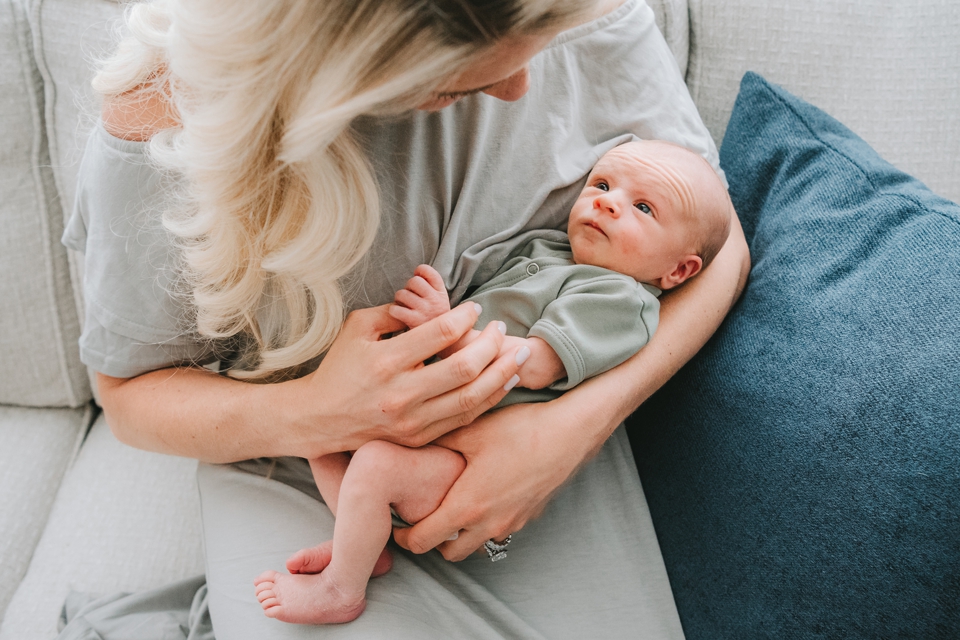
(267, 175)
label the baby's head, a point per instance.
(651, 210)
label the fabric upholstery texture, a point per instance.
(889, 70)
(39, 340)
(69, 36)
(124, 520)
(802, 470)
(38, 445)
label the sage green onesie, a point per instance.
(593, 318)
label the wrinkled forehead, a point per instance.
(652, 170)
(650, 153)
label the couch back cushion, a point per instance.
(889, 70)
(39, 324)
(802, 470)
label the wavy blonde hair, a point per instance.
(279, 201)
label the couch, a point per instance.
(82, 512)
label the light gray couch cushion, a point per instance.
(38, 445)
(889, 70)
(70, 36)
(39, 324)
(124, 520)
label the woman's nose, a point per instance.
(608, 205)
(512, 88)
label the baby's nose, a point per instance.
(607, 205)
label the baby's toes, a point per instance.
(266, 590)
(267, 576)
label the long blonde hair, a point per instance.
(279, 201)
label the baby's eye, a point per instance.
(603, 186)
(643, 207)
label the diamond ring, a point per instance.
(497, 550)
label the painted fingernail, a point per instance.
(522, 355)
(511, 383)
(478, 308)
(454, 536)
(502, 327)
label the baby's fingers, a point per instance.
(406, 298)
(432, 277)
(420, 287)
(407, 316)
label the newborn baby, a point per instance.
(651, 216)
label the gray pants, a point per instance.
(589, 567)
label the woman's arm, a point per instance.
(366, 388)
(519, 456)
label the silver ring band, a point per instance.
(497, 550)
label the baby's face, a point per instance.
(633, 215)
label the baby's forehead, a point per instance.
(639, 152)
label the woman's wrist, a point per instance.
(308, 425)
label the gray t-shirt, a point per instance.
(461, 189)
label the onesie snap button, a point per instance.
(533, 269)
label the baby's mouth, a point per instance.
(594, 225)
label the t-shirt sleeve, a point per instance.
(134, 321)
(596, 324)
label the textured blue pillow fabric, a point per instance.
(803, 471)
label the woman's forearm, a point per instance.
(366, 388)
(199, 414)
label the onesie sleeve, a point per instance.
(596, 324)
(134, 320)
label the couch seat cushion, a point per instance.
(124, 520)
(38, 445)
(803, 471)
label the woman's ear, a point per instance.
(688, 267)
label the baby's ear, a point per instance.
(688, 267)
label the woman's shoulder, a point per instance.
(138, 114)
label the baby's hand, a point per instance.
(423, 299)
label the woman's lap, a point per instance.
(590, 566)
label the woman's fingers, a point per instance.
(509, 478)
(462, 405)
(371, 324)
(432, 337)
(465, 365)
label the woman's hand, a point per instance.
(367, 388)
(371, 388)
(517, 458)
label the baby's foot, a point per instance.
(306, 599)
(315, 559)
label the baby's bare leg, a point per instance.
(328, 472)
(380, 474)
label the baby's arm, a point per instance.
(425, 297)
